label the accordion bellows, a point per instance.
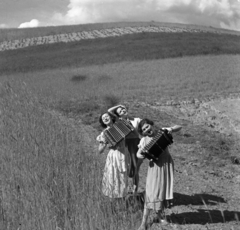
(119, 131)
(158, 144)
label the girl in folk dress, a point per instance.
(159, 182)
(115, 180)
(132, 142)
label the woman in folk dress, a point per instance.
(159, 182)
(132, 141)
(115, 179)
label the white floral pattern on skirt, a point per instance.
(114, 183)
(115, 179)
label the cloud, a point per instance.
(219, 13)
(32, 23)
(3, 26)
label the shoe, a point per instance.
(164, 222)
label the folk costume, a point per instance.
(115, 179)
(159, 181)
(132, 141)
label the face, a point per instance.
(106, 119)
(121, 111)
(147, 130)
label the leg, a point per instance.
(143, 225)
(130, 166)
(161, 217)
(136, 175)
(131, 157)
(133, 148)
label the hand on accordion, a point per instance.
(143, 151)
(105, 144)
(168, 129)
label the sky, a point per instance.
(39, 13)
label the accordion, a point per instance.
(120, 130)
(158, 144)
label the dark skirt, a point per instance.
(131, 159)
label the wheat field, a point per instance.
(50, 175)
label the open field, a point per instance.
(51, 98)
(131, 48)
(150, 81)
(14, 34)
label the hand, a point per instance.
(168, 129)
(144, 152)
(107, 145)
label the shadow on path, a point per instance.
(204, 216)
(199, 215)
(197, 199)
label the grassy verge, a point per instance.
(48, 181)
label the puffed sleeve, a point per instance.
(140, 147)
(135, 122)
(101, 138)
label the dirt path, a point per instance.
(206, 196)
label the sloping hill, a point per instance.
(103, 32)
(170, 74)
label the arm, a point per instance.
(174, 128)
(102, 143)
(112, 109)
(102, 146)
(140, 154)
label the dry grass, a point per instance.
(78, 78)
(48, 181)
(156, 80)
(100, 86)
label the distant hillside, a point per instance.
(15, 34)
(104, 33)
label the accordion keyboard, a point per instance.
(118, 132)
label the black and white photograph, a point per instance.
(119, 114)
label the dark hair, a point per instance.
(142, 122)
(115, 111)
(101, 121)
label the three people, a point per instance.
(159, 181)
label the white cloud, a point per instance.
(222, 13)
(2, 26)
(32, 23)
